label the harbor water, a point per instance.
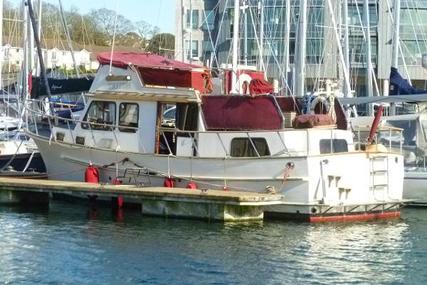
(69, 244)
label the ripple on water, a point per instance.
(68, 245)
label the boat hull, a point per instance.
(414, 188)
(317, 182)
(18, 162)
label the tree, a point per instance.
(163, 44)
(104, 20)
(130, 39)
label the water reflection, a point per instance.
(70, 244)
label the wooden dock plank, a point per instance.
(159, 193)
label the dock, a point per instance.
(158, 201)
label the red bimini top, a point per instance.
(158, 70)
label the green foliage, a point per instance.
(163, 44)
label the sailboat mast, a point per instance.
(38, 45)
(245, 47)
(39, 27)
(190, 44)
(234, 87)
(301, 50)
(346, 45)
(286, 44)
(1, 43)
(366, 22)
(396, 36)
(261, 35)
(26, 52)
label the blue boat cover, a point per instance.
(401, 86)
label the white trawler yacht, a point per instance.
(230, 142)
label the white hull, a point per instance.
(315, 180)
(414, 187)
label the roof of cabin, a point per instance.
(144, 60)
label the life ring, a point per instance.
(319, 105)
(243, 82)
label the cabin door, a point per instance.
(147, 121)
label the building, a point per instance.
(205, 30)
(54, 58)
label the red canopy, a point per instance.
(241, 113)
(158, 70)
(143, 59)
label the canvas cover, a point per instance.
(260, 86)
(158, 70)
(312, 120)
(241, 113)
(401, 86)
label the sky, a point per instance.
(159, 13)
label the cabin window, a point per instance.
(332, 146)
(187, 116)
(101, 115)
(243, 147)
(128, 117)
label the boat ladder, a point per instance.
(379, 173)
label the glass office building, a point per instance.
(211, 31)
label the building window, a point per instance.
(244, 147)
(101, 115)
(194, 49)
(195, 19)
(332, 146)
(209, 20)
(128, 117)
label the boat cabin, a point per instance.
(127, 114)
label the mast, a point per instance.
(301, 50)
(30, 38)
(234, 87)
(39, 50)
(26, 51)
(70, 45)
(245, 47)
(39, 21)
(346, 46)
(183, 21)
(369, 85)
(286, 44)
(340, 51)
(396, 36)
(261, 35)
(190, 44)
(1, 44)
